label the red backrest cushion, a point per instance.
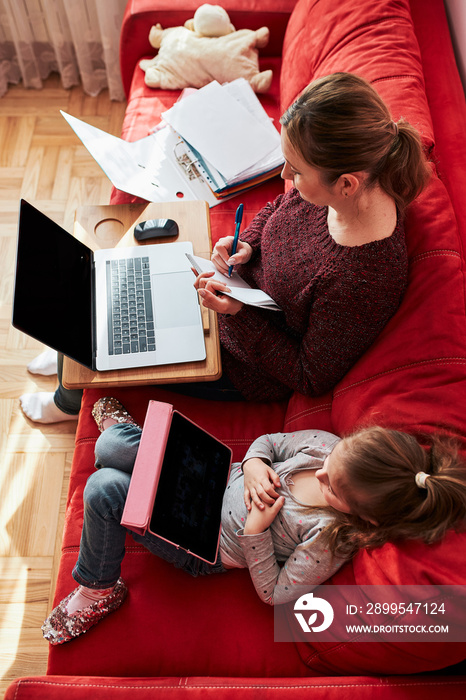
(413, 377)
(375, 40)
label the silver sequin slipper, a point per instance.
(109, 407)
(61, 627)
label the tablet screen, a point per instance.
(194, 475)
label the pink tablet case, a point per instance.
(139, 504)
(146, 472)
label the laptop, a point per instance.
(110, 309)
(178, 482)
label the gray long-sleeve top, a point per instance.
(293, 537)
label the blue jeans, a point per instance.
(103, 537)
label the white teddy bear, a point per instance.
(207, 48)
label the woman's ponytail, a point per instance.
(403, 172)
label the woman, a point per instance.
(331, 252)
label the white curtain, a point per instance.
(77, 38)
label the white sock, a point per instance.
(45, 363)
(41, 408)
(85, 597)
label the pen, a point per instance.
(238, 219)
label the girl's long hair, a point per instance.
(339, 124)
(381, 488)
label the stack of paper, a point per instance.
(214, 143)
(228, 135)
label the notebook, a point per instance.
(99, 309)
(177, 485)
(239, 289)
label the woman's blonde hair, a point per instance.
(380, 467)
(339, 124)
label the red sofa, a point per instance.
(176, 636)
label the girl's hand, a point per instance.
(259, 520)
(213, 297)
(221, 255)
(260, 482)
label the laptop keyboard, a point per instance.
(129, 306)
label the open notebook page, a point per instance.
(240, 289)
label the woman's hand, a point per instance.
(222, 258)
(259, 520)
(260, 482)
(213, 297)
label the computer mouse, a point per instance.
(155, 228)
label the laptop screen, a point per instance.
(53, 286)
(194, 475)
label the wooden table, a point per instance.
(112, 226)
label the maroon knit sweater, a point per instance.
(335, 300)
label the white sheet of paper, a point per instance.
(145, 168)
(242, 91)
(222, 129)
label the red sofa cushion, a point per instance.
(172, 624)
(375, 40)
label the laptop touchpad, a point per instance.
(175, 300)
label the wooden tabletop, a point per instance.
(112, 226)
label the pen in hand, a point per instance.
(238, 219)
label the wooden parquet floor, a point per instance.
(41, 160)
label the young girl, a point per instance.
(331, 252)
(311, 501)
